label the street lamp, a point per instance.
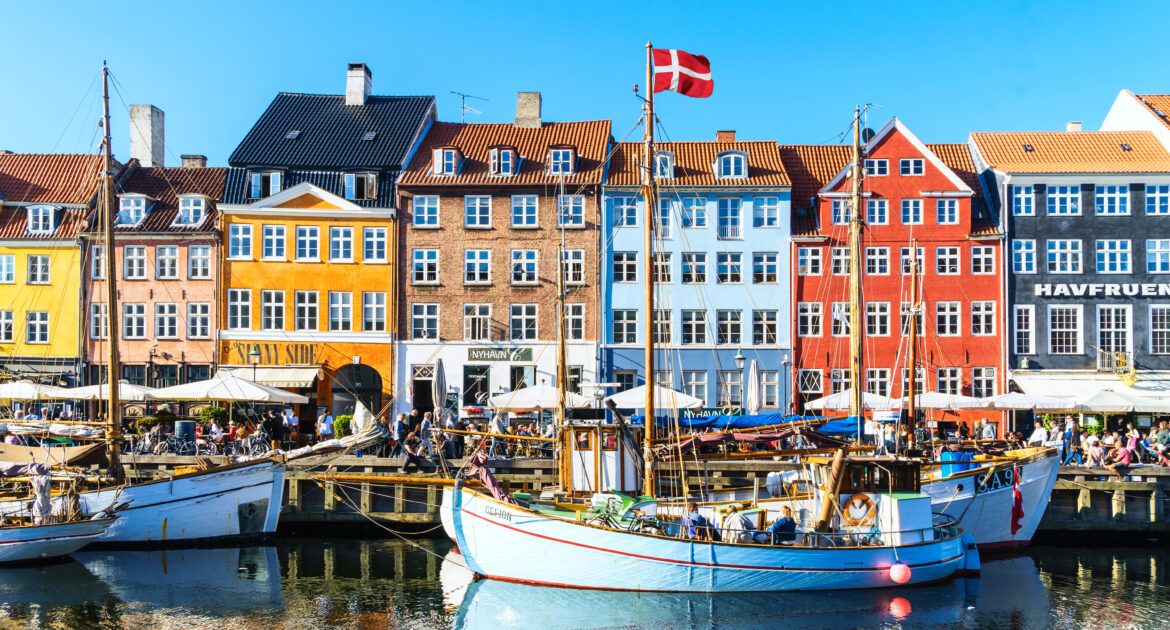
(739, 360)
(254, 359)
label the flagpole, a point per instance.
(650, 196)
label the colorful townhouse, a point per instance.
(308, 289)
(722, 260)
(914, 196)
(44, 203)
(166, 252)
(489, 212)
(1087, 216)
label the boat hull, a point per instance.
(43, 542)
(560, 552)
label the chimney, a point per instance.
(146, 135)
(727, 135)
(358, 81)
(528, 110)
(191, 160)
(1072, 125)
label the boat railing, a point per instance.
(942, 527)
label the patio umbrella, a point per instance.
(536, 398)
(753, 396)
(840, 400)
(27, 390)
(439, 389)
(948, 402)
(126, 392)
(226, 386)
(1015, 401)
(1108, 401)
(664, 398)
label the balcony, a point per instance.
(730, 231)
(1116, 362)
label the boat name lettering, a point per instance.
(503, 515)
(998, 480)
(1102, 289)
(499, 354)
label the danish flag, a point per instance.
(682, 72)
(1017, 502)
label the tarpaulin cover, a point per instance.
(723, 423)
(840, 426)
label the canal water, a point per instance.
(350, 583)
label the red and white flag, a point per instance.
(682, 72)
(1017, 502)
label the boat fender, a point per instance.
(971, 562)
(900, 572)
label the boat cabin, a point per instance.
(879, 495)
(605, 457)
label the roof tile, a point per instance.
(694, 164)
(1073, 151)
(1158, 104)
(49, 177)
(164, 185)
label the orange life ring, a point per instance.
(858, 503)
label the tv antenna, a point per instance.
(464, 108)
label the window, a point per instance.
(198, 320)
(919, 381)
(271, 310)
(38, 268)
(1064, 330)
(841, 212)
(625, 266)
(840, 261)
(424, 266)
(445, 161)
(1113, 334)
(810, 382)
(424, 321)
(663, 165)
(765, 267)
(308, 243)
(729, 219)
(1113, 256)
(273, 242)
(946, 319)
(134, 321)
(477, 211)
(877, 211)
(625, 210)
(729, 328)
(840, 314)
(524, 266)
(36, 327)
(662, 268)
(1023, 256)
(477, 322)
(560, 161)
(946, 211)
(694, 267)
(910, 316)
(983, 259)
(1159, 329)
(662, 327)
(694, 212)
(877, 319)
(1112, 199)
(191, 211)
(808, 319)
(877, 381)
(911, 166)
(131, 211)
(1064, 199)
(1158, 256)
(41, 219)
(663, 228)
(808, 261)
(306, 310)
(912, 211)
(575, 322)
(134, 262)
(770, 386)
(477, 266)
(239, 309)
(730, 388)
(876, 167)
(239, 241)
(571, 211)
(877, 261)
(340, 310)
(503, 161)
(765, 323)
(1023, 204)
(946, 261)
(838, 380)
(374, 311)
(361, 185)
(341, 244)
(950, 380)
(694, 327)
(1064, 256)
(523, 322)
(1157, 199)
(374, 244)
(766, 212)
(729, 267)
(625, 326)
(1025, 329)
(99, 323)
(166, 320)
(264, 184)
(626, 379)
(524, 211)
(97, 265)
(573, 261)
(908, 260)
(731, 166)
(983, 318)
(198, 262)
(426, 211)
(694, 383)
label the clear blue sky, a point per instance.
(784, 71)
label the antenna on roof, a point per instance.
(463, 108)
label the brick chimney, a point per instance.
(192, 160)
(725, 136)
(358, 82)
(528, 110)
(147, 139)
(1072, 125)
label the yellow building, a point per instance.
(44, 203)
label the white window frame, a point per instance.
(1023, 200)
(524, 314)
(765, 265)
(199, 262)
(1157, 200)
(694, 268)
(1157, 330)
(876, 167)
(911, 212)
(192, 210)
(731, 165)
(477, 322)
(1024, 337)
(166, 320)
(36, 327)
(560, 160)
(948, 313)
(273, 242)
(877, 261)
(1024, 256)
(42, 219)
(198, 320)
(627, 263)
(1079, 309)
(272, 309)
(39, 269)
(526, 262)
(1111, 200)
(239, 309)
(1113, 252)
(424, 319)
(525, 212)
(766, 212)
(946, 211)
(424, 266)
(1063, 200)
(477, 212)
(375, 245)
(571, 211)
(134, 262)
(1064, 253)
(131, 210)
(810, 319)
(624, 327)
(424, 214)
(166, 262)
(308, 243)
(574, 266)
(340, 311)
(306, 310)
(911, 167)
(943, 256)
(877, 212)
(340, 244)
(983, 318)
(809, 261)
(134, 320)
(99, 321)
(240, 241)
(374, 311)
(477, 266)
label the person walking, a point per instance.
(324, 425)
(399, 432)
(425, 435)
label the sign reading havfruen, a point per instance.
(519, 355)
(1102, 290)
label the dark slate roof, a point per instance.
(331, 132)
(235, 190)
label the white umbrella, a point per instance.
(439, 389)
(126, 392)
(1110, 401)
(27, 390)
(950, 402)
(753, 397)
(537, 397)
(361, 418)
(841, 399)
(664, 398)
(1015, 401)
(226, 386)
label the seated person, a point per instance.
(1119, 459)
(784, 529)
(696, 526)
(737, 527)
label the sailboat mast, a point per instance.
(566, 470)
(650, 194)
(912, 352)
(856, 322)
(113, 408)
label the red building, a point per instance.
(928, 195)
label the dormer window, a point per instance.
(131, 210)
(503, 161)
(265, 184)
(41, 219)
(192, 209)
(664, 165)
(361, 186)
(731, 166)
(446, 161)
(560, 161)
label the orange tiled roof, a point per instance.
(1073, 152)
(14, 224)
(49, 177)
(811, 167)
(957, 157)
(693, 164)
(475, 140)
(165, 185)
(1158, 104)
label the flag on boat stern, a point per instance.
(682, 72)
(1017, 502)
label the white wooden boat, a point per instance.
(29, 543)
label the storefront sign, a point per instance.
(703, 412)
(1102, 290)
(276, 353)
(519, 355)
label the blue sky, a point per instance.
(784, 71)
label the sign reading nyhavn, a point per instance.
(499, 354)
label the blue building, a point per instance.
(722, 261)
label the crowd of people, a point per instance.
(1116, 450)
